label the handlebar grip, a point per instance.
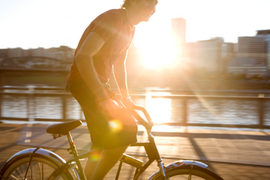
(147, 124)
(143, 122)
(145, 112)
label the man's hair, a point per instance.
(126, 4)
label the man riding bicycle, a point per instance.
(102, 50)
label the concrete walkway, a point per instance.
(232, 154)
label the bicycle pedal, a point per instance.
(131, 161)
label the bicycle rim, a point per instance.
(40, 169)
(190, 174)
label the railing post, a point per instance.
(81, 113)
(31, 105)
(1, 100)
(2, 78)
(1, 95)
(261, 113)
(64, 107)
(184, 111)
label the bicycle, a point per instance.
(38, 163)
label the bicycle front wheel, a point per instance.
(40, 169)
(188, 173)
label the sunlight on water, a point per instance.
(160, 109)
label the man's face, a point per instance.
(145, 9)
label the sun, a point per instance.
(155, 43)
(158, 54)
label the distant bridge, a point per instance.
(34, 62)
(32, 65)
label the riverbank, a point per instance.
(59, 79)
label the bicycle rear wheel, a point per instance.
(40, 169)
(188, 173)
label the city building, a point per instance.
(266, 34)
(62, 53)
(16, 52)
(29, 58)
(246, 66)
(208, 55)
(252, 47)
(178, 30)
(40, 52)
(227, 52)
(3, 54)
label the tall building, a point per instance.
(208, 55)
(252, 47)
(227, 52)
(266, 34)
(178, 30)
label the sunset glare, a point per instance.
(156, 45)
(157, 54)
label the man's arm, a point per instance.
(120, 76)
(84, 60)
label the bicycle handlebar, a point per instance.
(147, 124)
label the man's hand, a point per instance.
(128, 102)
(109, 107)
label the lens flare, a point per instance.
(115, 125)
(95, 156)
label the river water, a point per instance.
(201, 109)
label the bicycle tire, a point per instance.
(182, 173)
(40, 169)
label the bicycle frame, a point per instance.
(150, 148)
(153, 155)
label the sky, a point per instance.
(52, 23)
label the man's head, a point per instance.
(127, 3)
(141, 9)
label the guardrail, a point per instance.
(27, 105)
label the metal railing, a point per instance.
(29, 100)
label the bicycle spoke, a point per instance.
(42, 171)
(14, 177)
(31, 172)
(189, 177)
(37, 171)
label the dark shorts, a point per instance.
(106, 132)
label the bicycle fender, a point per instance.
(178, 164)
(38, 153)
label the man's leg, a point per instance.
(92, 162)
(108, 158)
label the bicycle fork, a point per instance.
(30, 161)
(157, 156)
(162, 169)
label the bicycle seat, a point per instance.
(63, 128)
